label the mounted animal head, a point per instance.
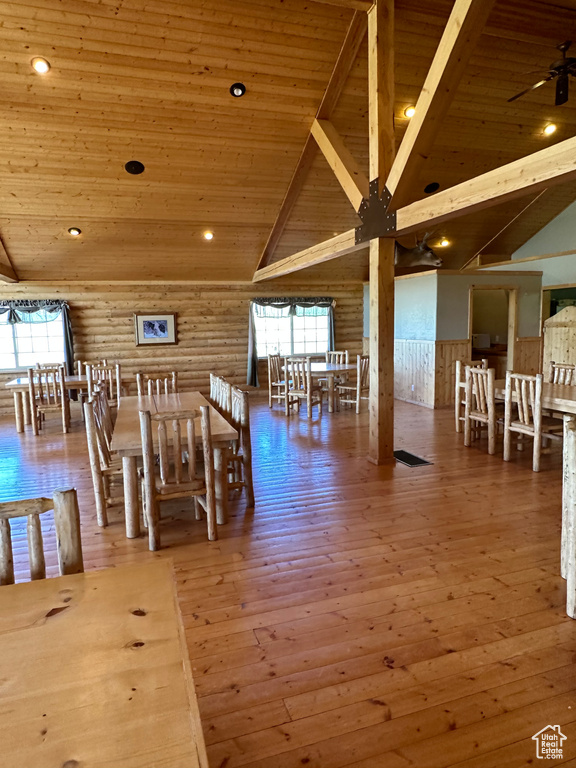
(421, 254)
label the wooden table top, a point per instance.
(95, 673)
(324, 369)
(72, 382)
(126, 438)
(558, 397)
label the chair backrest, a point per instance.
(176, 445)
(363, 371)
(68, 541)
(480, 390)
(240, 413)
(46, 385)
(275, 368)
(298, 374)
(107, 376)
(561, 373)
(460, 367)
(97, 431)
(43, 366)
(527, 393)
(341, 358)
(157, 383)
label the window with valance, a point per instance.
(288, 326)
(35, 331)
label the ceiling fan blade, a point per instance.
(561, 90)
(532, 87)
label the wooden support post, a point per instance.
(381, 444)
(382, 147)
(568, 560)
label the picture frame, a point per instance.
(155, 328)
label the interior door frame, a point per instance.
(512, 291)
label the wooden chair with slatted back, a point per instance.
(561, 373)
(108, 377)
(299, 385)
(47, 393)
(105, 466)
(68, 541)
(241, 457)
(157, 383)
(177, 474)
(213, 389)
(480, 405)
(460, 393)
(276, 384)
(523, 415)
(353, 394)
(337, 357)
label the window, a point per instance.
(291, 330)
(41, 340)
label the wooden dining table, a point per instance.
(127, 443)
(560, 398)
(19, 387)
(329, 371)
(95, 673)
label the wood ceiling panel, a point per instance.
(149, 80)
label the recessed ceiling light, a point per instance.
(208, 235)
(549, 129)
(409, 111)
(40, 65)
(432, 187)
(74, 231)
(134, 167)
(444, 242)
(237, 90)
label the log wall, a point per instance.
(212, 325)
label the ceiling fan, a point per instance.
(560, 69)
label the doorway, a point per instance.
(492, 326)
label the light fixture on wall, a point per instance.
(549, 129)
(409, 111)
(237, 90)
(74, 231)
(208, 235)
(40, 65)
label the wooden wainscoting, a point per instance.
(528, 355)
(447, 352)
(414, 371)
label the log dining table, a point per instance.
(561, 398)
(19, 387)
(329, 371)
(95, 672)
(127, 443)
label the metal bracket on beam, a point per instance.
(376, 220)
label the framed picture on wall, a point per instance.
(155, 328)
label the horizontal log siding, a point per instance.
(212, 325)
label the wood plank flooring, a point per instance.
(362, 616)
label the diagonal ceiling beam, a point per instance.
(462, 31)
(7, 273)
(346, 169)
(346, 57)
(548, 167)
(329, 249)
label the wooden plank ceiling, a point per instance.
(149, 80)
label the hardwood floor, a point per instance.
(363, 616)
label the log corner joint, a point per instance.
(377, 220)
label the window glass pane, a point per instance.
(39, 342)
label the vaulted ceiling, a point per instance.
(149, 80)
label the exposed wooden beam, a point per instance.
(329, 249)
(344, 62)
(462, 31)
(382, 147)
(548, 167)
(347, 171)
(7, 273)
(358, 5)
(381, 90)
